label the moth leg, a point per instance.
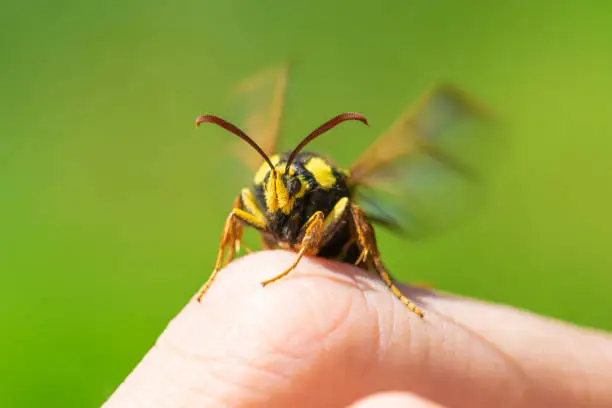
(232, 233)
(246, 248)
(367, 242)
(246, 211)
(309, 245)
(316, 230)
(251, 206)
(363, 256)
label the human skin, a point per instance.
(333, 335)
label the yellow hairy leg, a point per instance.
(232, 233)
(367, 242)
(317, 229)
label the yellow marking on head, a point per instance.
(277, 195)
(264, 169)
(270, 193)
(275, 191)
(321, 171)
(251, 205)
(282, 195)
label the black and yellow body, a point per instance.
(303, 202)
(313, 185)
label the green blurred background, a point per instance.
(108, 218)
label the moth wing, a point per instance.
(423, 174)
(259, 100)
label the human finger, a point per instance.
(330, 333)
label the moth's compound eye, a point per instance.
(293, 186)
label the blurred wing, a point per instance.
(422, 175)
(260, 100)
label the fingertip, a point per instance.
(324, 317)
(395, 400)
(250, 275)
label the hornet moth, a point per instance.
(302, 202)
